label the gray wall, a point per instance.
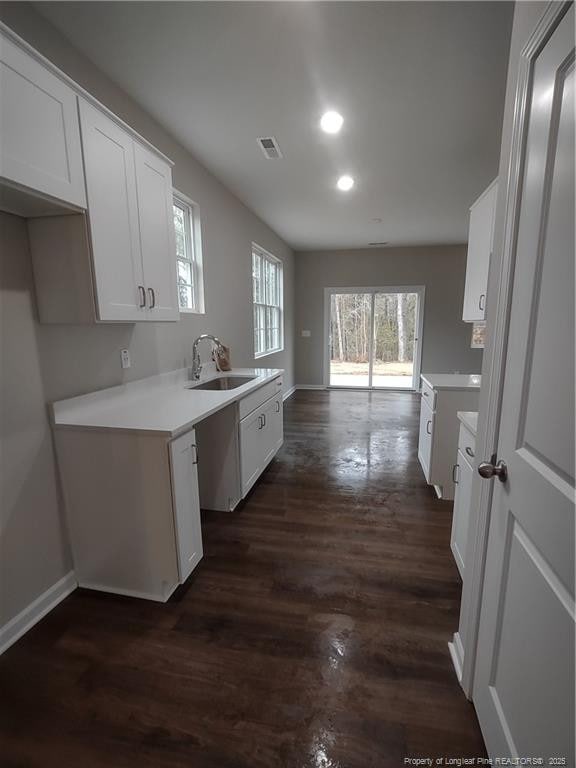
(46, 363)
(441, 269)
(33, 548)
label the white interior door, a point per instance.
(524, 683)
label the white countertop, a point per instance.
(162, 404)
(470, 420)
(452, 380)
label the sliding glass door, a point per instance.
(373, 337)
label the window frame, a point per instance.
(193, 237)
(265, 255)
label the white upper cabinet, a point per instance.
(113, 217)
(157, 238)
(108, 252)
(39, 132)
(480, 243)
(116, 263)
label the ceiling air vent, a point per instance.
(270, 147)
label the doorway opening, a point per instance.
(373, 337)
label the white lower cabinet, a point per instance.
(132, 508)
(185, 495)
(133, 498)
(438, 436)
(251, 450)
(261, 435)
(425, 438)
(463, 473)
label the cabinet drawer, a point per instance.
(428, 395)
(258, 397)
(467, 444)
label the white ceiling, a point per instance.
(420, 84)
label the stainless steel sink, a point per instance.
(226, 382)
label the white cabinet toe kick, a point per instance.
(133, 498)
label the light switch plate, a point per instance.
(306, 334)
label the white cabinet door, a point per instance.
(461, 514)
(183, 461)
(40, 145)
(480, 237)
(425, 438)
(157, 239)
(251, 449)
(113, 214)
(273, 432)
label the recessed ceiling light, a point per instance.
(331, 122)
(345, 183)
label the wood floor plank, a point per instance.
(313, 634)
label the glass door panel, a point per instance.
(350, 339)
(394, 344)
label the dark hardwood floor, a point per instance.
(313, 634)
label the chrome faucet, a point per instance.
(196, 362)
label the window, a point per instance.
(188, 254)
(267, 295)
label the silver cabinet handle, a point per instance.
(195, 459)
(142, 293)
(263, 419)
(425, 394)
(152, 298)
(260, 422)
(482, 302)
(469, 451)
(455, 469)
(428, 427)
(277, 406)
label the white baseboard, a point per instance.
(310, 386)
(32, 614)
(288, 393)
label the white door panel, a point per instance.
(251, 449)
(425, 438)
(154, 185)
(113, 215)
(186, 501)
(480, 239)
(40, 146)
(524, 682)
(461, 512)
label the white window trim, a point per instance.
(194, 247)
(275, 260)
